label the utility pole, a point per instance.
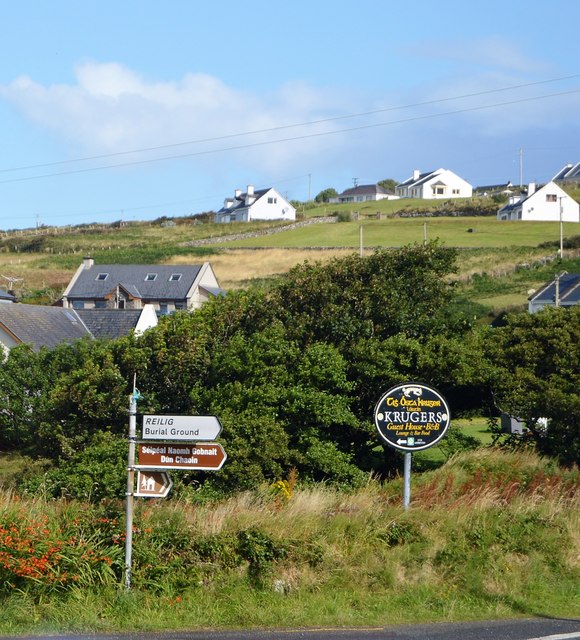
(309, 186)
(560, 198)
(521, 168)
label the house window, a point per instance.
(551, 197)
(121, 303)
(438, 191)
(150, 277)
(102, 276)
(175, 277)
(100, 304)
(180, 306)
(455, 192)
(272, 200)
(78, 304)
(163, 309)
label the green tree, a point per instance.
(536, 375)
(388, 184)
(326, 194)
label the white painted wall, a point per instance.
(272, 206)
(544, 206)
(453, 187)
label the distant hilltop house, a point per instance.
(363, 193)
(569, 173)
(438, 184)
(546, 204)
(255, 204)
(43, 326)
(128, 286)
(562, 291)
(488, 190)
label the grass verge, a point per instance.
(489, 535)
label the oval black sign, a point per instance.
(412, 416)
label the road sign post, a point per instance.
(411, 417)
(184, 447)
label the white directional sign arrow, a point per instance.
(192, 428)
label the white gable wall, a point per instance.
(545, 204)
(271, 206)
(445, 185)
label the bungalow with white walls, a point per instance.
(439, 184)
(549, 203)
(255, 204)
(363, 193)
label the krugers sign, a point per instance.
(412, 416)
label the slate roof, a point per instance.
(423, 177)
(569, 291)
(568, 172)
(110, 323)
(132, 278)
(239, 202)
(42, 326)
(365, 190)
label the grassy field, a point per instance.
(396, 232)
(43, 262)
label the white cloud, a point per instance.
(492, 53)
(111, 109)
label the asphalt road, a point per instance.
(529, 629)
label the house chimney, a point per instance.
(237, 193)
(250, 197)
(228, 202)
(88, 262)
(416, 174)
(531, 189)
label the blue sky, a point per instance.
(138, 109)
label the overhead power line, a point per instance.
(289, 126)
(293, 138)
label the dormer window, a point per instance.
(102, 276)
(150, 277)
(175, 277)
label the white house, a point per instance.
(255, 204)
(438, 184)
(364, 193)
(546, 204)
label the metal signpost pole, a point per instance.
(407, 481)
(130, 487)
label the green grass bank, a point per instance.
(490, 534)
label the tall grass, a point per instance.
(489, 534)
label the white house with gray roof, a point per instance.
(255, 204)
(548, 204)
(440, 184)
(125, 286)
(363, 193)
